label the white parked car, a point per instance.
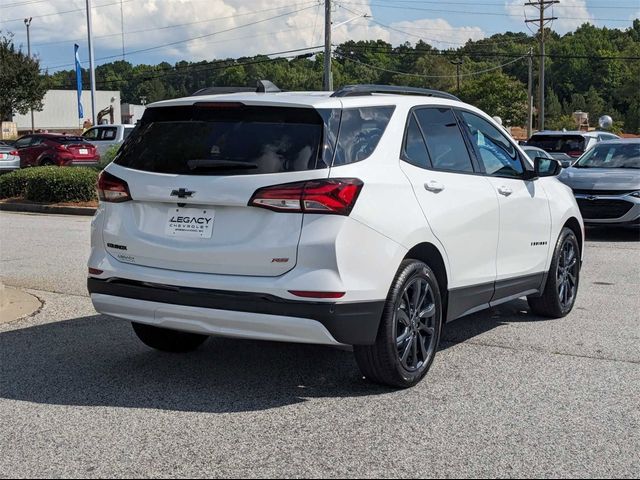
(105, 136)
(369, 217)
(9, 158)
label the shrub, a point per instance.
(108, 157)
(50, 184)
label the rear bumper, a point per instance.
(8, 165)
(238, 314)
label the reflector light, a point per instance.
(310, 294)
(95, 271)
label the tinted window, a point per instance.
(126, 132)
(23, 142)
(65, 140)
(497, 154)
(109, 133)
(360, 132)
(91, 134)
(210, 140)
(558, 143)
(445, 143)
(415, 150)
(618, 155)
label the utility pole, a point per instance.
(122, 27)
(542, 22)
(27, 22)
(458, 63)
(92, 66)
(327, 82)
(530, 96)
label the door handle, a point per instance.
(506, 191)
(434, 186)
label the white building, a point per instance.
(60, 110)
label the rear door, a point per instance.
(525, 219)
(461, 207)
(26, 153)
(192, 171)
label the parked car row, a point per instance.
(42, 149)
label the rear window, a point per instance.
(558, 143)
(249, 140)
(217, 140)
(66, 140)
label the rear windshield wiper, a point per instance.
(198, 164)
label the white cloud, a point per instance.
(228, 28)
(571, 13)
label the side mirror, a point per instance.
(547, 167)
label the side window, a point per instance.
(23, 142)
(360, 131)
(445, 142)
(415, 150)
(92, 134)
(109, 133)
(497, 154)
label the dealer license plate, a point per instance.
(190, 223)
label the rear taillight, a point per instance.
(112, 189)
(14, 153)
(335, 196)
(62, 148)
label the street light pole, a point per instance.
(92, 67)
(27, 22)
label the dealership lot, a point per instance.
(510, 394)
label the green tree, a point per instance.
(21, 85)
(498, 94)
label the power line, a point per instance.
(66, 11)
(187, 40)
(178, 25)
(192, 69)
(469, 74)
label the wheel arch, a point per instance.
(574, 225)
(429, 254)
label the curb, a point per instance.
(39, 208)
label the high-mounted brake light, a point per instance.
(219, 105)
(112, 189)
(335, 196)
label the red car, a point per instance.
(51, 149)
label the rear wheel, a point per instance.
(409, 331)
(46, 162)
(168, 340)
(561, 290)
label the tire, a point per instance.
(406, 344)
(168, 340)
(46, 162)
(563, 279)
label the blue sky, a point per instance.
(173, 30)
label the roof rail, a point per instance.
(360, 90)
(263, 86)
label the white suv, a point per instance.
(367, 217)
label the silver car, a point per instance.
(106, 136)
(606, 183)
(9, 158)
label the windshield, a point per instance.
(558, 143)
(613, 155)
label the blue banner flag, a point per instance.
(79, 83)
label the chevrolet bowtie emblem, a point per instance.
(182, 193)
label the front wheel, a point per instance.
(409, 331)
(167, 340)
(563, 278)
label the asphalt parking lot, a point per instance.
(510, 394)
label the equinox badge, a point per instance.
(182, 193)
